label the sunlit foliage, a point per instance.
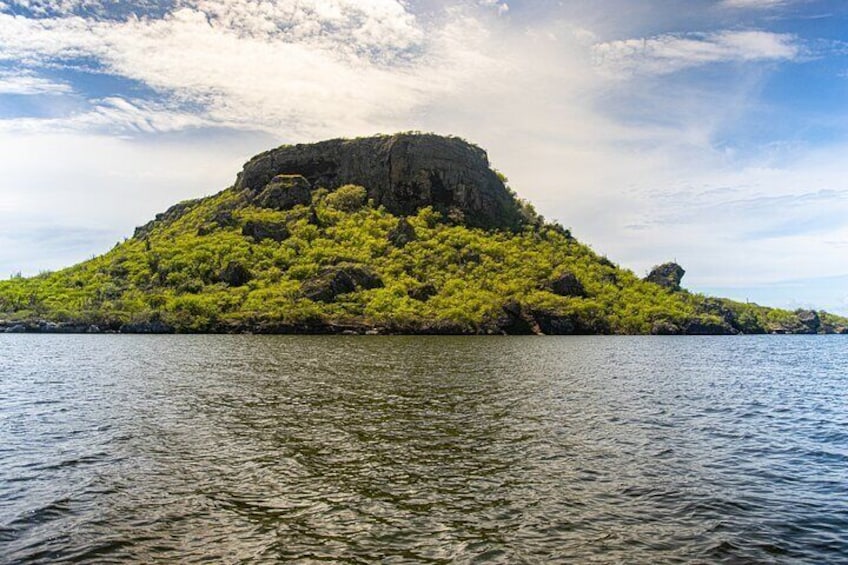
(176, 272)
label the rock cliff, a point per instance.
(402, 172)
(667, 275)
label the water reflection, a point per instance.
(262, 448)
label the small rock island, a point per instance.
(405, 233)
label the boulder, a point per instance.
(567, 284)
(235, 274)
(224, 219)
(332, 281)
(260, 230)
(667, 275)
(403, 172)
(422, 292)
(284, 192)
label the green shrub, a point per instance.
(347, 198)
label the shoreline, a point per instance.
(329, 328)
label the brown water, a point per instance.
(423, 449)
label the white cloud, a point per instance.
(28, 84)
(114, 115)
(46, 8)
(308, 67)
(672, 52)
(68, 196)
(743, 227)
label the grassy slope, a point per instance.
(172, 274)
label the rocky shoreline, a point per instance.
(515, 320)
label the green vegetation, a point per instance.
(224, 264)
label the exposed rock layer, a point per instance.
(403, 172)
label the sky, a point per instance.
(709, 132)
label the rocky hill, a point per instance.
(409, 233)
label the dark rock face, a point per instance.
(284, 192)
(339, 279)
(519, 319)
(235, 274)
(403, 172)
(553, 324)
(809, 319)
(667, 275)
(402, 233)
(422, 292)
(224, 219)
(515, 319)
(665, 327)
(260, 230)
(567, 284)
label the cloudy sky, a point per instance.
(710, 132)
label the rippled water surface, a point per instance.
(423, 449)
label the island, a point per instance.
(408, 233)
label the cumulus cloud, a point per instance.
(672, 52)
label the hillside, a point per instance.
(407, 233)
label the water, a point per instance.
(423, 449)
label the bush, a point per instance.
(347, 198)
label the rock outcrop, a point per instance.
(235, 274)
(402, 172)
(339, 279)
(810, 320)
(567, 284)
(260, 230)
(284, 192)
(803, 322)
(667, 275)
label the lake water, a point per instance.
(423, 449)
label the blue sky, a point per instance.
(711, 132)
